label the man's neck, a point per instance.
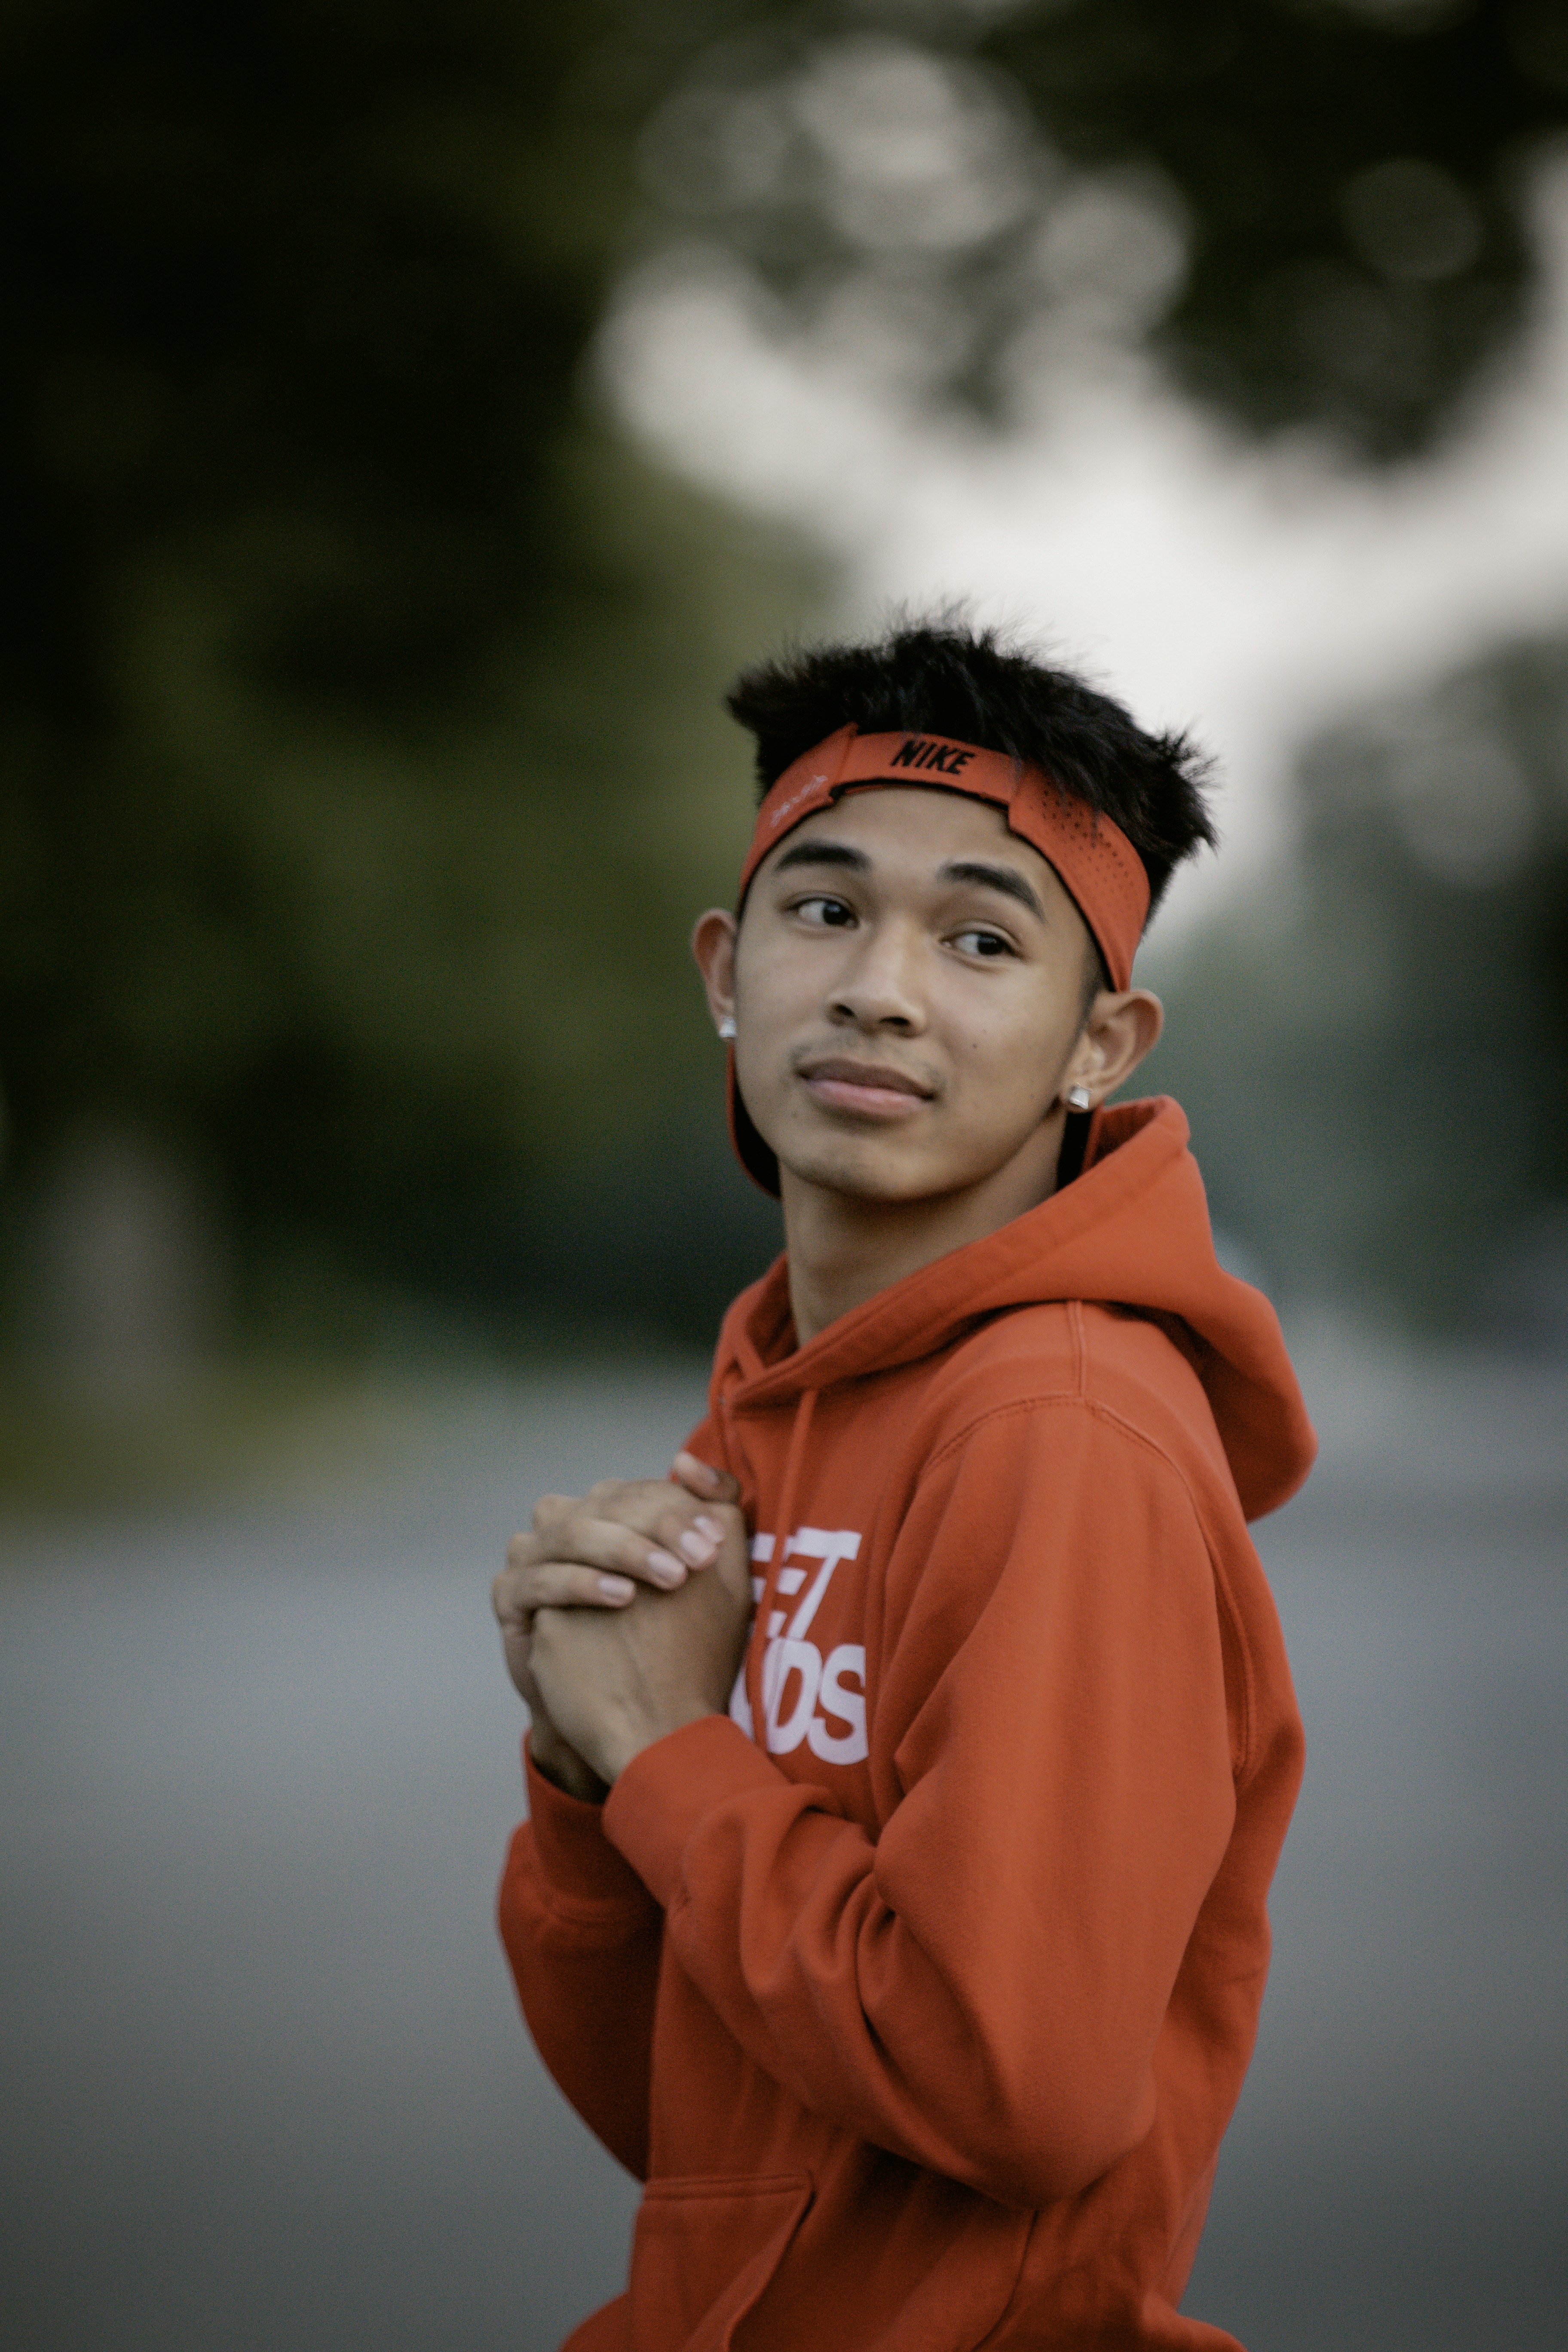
(843, 1248)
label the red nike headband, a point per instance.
(1094, 857)
(1096, 863)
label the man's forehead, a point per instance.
(919, 823)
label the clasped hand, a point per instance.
(623, 1616)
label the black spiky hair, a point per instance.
(940, 675)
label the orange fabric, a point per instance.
(922, 2018)
(1094, 857)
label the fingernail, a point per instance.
(711, 1528)
(617, 1588)
(697, 1548)
(705, 1470)
(665, 1569)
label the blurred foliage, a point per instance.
(358, 695)
(1316, 211)
(1354, 178)
(1374, 1055)
(364, 760)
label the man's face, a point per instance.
(909, 984)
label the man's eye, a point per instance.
(982, 943)
(830, 912)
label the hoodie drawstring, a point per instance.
(757, 1647)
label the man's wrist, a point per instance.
(564, 1768)
(625, 1742)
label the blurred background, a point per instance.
(415, 417)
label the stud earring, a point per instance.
(1077, 1098)
(726, 1028)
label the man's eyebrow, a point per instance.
(1006, 878)
(824, 853)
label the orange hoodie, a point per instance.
(923, 2024)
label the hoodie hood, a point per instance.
(1131, 1231)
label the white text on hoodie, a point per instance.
(805, 1695)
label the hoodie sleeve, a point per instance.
(583, 1938)
(981, 1988)
(582, 1935)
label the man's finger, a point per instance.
(550, 1508)
(608, 1544)
(630, 1551)
(557, 1584)
(618, 1551)
(701, 1478)
(655, 1523)
(669, 1515)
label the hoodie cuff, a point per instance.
(575, 1858)
(668, 1790)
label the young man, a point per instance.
(910, 1946)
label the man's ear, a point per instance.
(1122, 1026)
(713, 945)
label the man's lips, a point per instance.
(872, 1089)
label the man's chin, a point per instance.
(869, 1169)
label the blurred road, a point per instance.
(263, 2085)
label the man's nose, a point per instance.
(879, 987)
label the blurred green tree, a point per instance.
(1375, 1061)
(1316, 211)
(363, 766)
(1316, 215)
(1356, 178)
(361, 760)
